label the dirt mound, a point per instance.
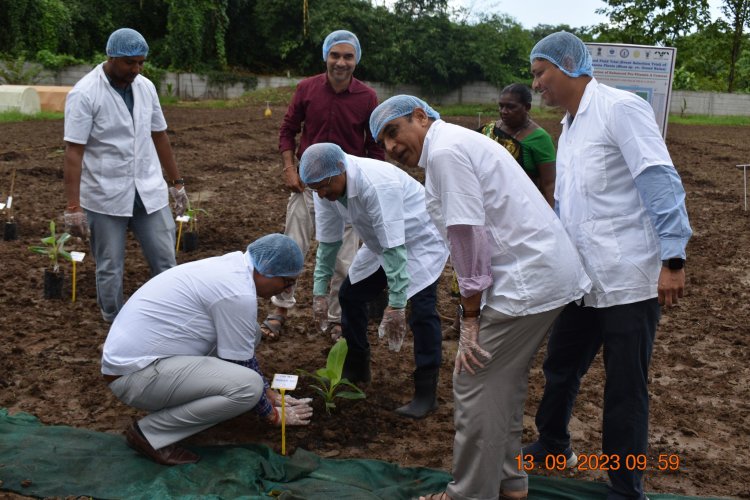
(700, 391)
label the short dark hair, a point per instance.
(519, 89)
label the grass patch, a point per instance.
(491, 112)
(709, 120)
(280, 96)
(17, 116)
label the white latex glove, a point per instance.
(393, 325)
(320, 311)
(468, 349)
(275, 398)
(76, 223)
(295, 415)
(180, 198)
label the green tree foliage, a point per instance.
(651, 22)
(29, 26)
(702, 59)
(422, 42)
(738, 12)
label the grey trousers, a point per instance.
(187, 394)
(156, 234)
(489, 406)
(300, 226)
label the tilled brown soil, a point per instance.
(49, 356)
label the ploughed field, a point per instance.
(700, 392)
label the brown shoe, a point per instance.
(169, 455)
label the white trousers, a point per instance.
(300, 226)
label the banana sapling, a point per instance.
(329, 381)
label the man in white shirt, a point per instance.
(622, 203)
(516, 271)
(402, 250)
(183, 348)
(116, 145)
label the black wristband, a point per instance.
(178, 181)
(673, 264)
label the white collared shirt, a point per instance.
(472, 180)
(386, 208)
(119, 156)
(613, 139)
(196, 309)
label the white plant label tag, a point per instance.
(10, 202)
(183, 218)
(77, 256)
(284, 381)
(2, 205)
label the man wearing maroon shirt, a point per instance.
(330, 107)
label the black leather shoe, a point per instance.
(169, 455)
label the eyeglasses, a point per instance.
(319, 185)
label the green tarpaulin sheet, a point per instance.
(43, 461)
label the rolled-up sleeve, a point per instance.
(471, 259)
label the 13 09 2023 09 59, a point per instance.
(602, 462)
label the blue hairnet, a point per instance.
(276, 255)
(566, 51)
(126, 42)
(321, 161)
(342, 36)
(396, 107)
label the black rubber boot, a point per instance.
(425, 394)
(357, 367)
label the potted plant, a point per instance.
(190, 238)
(329, 381)
(54, 248)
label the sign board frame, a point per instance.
(645, 70)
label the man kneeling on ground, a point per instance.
(183, 348)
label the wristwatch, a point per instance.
(674, 263)
(178, 181)
(469, 314)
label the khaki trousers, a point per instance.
(187, 394)
(489, 406)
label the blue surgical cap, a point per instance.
(126, 42)
(342, 36)
(276, 255)
(396, 107)
(321, 161)
(566, 51)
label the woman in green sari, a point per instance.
(524, 139)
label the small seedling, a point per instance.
(192, 212)
(54, 248)
(329, 381)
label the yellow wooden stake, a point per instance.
(283, 422)
(179, 235)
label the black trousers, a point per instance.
(423, 319)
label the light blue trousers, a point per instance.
(156, 234)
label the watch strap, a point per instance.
(674, 264)
(470, 314)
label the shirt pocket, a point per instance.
(591, 159)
